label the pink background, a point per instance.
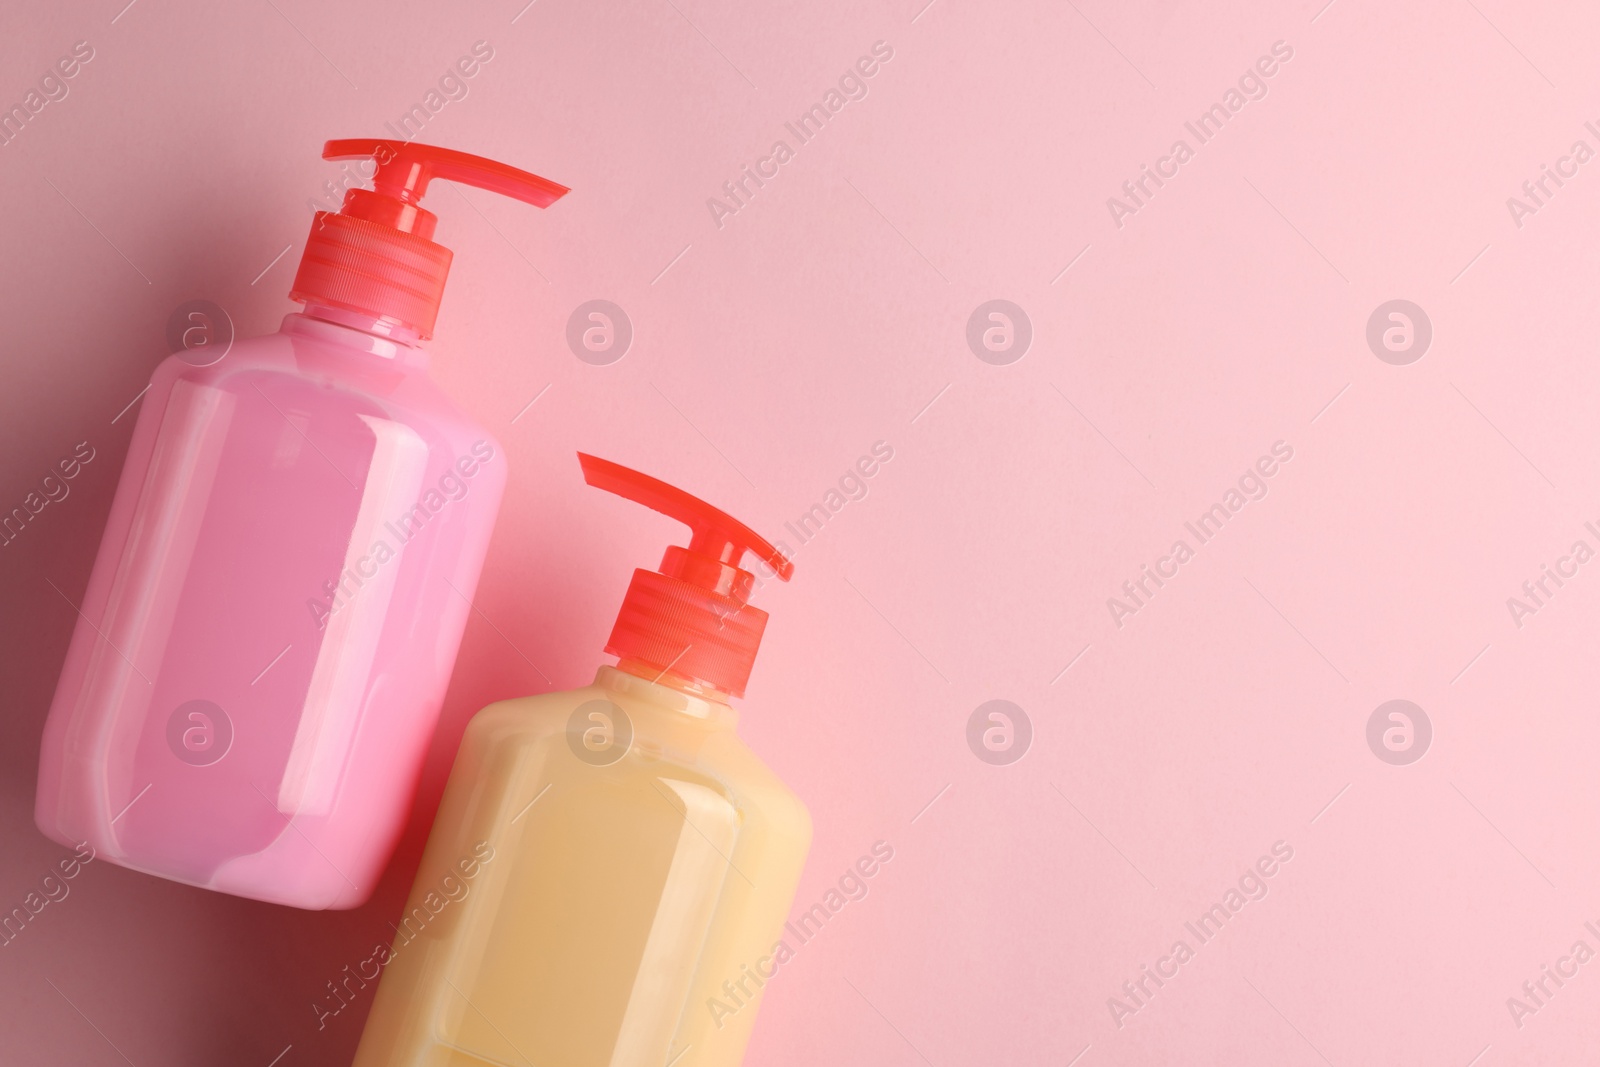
(1229, 313)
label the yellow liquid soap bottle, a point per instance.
(610, 870)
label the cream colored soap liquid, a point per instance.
(609, 873)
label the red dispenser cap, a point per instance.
(691, 617)
(374, 255)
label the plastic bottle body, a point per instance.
(272, 618)
(584, 904)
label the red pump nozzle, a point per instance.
(692, 617)
(374, 256)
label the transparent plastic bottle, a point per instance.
(610, 869)
(283, 582)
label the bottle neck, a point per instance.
(392, 329)
(667, 690)
(382, 337)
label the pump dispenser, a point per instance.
(610, 869)
(376, 257)
(288, 566)
(692, 617)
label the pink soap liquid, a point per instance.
(272, 618)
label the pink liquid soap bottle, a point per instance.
(283, 582)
